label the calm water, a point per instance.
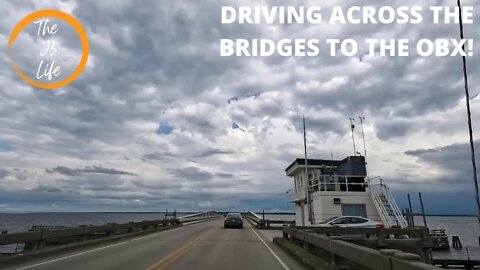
(467, 228)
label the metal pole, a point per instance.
(423, 209)
(307, 194)
(410, 208)
(303, 215)
(352, 125)
(363, 137)
(469, 116)
(364, 145)
(406, 215)
(410, 215)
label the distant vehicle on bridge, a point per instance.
(233, 220)
(350, 221)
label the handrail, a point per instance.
(378, 189)
(382, 211)
(324, 182)
(396, 210)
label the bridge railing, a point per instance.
(199, 216)
(40, 238)
(380, 233)
(411, 253)
(256, 219)
(262, 223)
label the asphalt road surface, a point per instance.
(205, 245)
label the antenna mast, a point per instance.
(307, 178)
(352, 125)
(362, 118)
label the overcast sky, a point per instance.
(159, 120)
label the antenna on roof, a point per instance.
(307, 178)
(352, 125)
(331, 165)
(362, 118)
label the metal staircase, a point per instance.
(385, 203)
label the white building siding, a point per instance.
(324, 207)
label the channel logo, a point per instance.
(47, 71)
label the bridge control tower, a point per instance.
(340, 188)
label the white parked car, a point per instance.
(350, 221)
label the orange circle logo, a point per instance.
(72, 22)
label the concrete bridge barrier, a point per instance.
(44, 235)
(340, 252)
(40, 238)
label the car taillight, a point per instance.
(380, 225)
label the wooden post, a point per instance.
(456, 242)
(410, 218)
(405, 215)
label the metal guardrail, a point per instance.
(337, 251)
(258, 220)
(48, 227)
(262, 223)
(37, 239)
(199, 216)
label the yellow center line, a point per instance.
(163, 263)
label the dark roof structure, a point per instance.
(314, 162)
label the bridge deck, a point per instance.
(205, 245)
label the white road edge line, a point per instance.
(269, 249)
(96, 249)
(70, 256)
